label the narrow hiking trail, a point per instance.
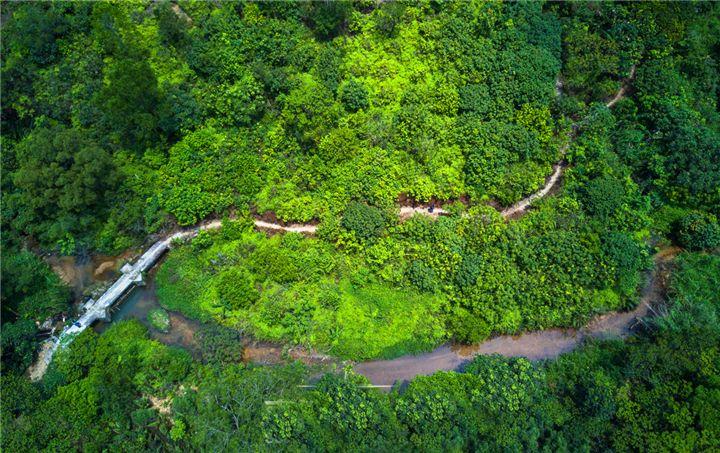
(444, 355)
(539, 345)
(623, 88)
(294, 228)
(520, 207)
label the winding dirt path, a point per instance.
(539, 345)
(520, 207)
(623, 88)
(295, 228)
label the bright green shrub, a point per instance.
(208, 171)
(236, 289)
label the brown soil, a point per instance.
(271, 217)
(267, 353)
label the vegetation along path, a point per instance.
(519, 207)
(544, 344)
(442, 358)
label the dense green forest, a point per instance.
(658, 391)
(127, 120)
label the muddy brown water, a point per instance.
(138, 303)
(538, 345)
(545, 344)
(84, 274)
(80, 273)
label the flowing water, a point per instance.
(85, 274)
(532, 345)
(143, 299)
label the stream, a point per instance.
(138, 303)
(536, 345)
(84, 275)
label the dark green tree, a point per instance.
(64, 183)
(365, 221)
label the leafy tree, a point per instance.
(236, 104)
(603, 196)
(64, 181)
(207, 171)
(19, 343)
(172, 27)
(422, 276)
(128, 100)
(236, 289)
(364, 220)
(222, 412)
(354, 96)
(328, 17)
(30, 289)
(354, 416)
(627, 258)
(698, 231)
(220, 345)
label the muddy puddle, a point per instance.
(83, 273)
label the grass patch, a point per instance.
(309, 294)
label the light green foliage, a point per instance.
(233, 105)
(206, 172)
(236, 289)
(160, 319)
(308, 294)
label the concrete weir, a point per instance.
(132, 275)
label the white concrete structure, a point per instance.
(132, 274)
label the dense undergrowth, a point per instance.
(123, 119)
(413, 285)
(658, 391)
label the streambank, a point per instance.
(540, 345)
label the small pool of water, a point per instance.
(139, 302)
